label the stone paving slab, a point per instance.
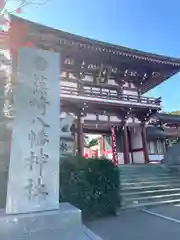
(133, 224)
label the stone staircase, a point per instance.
(148, 185)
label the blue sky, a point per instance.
(150, 25)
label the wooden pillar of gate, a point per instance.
(102, 146)
(144, 143)
(80, 135)
(125, 144)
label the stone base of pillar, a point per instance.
(64, 223)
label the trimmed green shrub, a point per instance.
(93, 185)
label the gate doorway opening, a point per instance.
(100, 145)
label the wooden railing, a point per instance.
(108, 94)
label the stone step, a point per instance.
(145, 175)
(143, 205)
(149, 188)
(151, 199)
(148, 178)
(135, 173)
(125, 174)
(141, 170)
(147, 169)
(139, 167)
(150, 183)
(150, 192)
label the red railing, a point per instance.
(108, 94)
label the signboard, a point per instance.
(67, 140)
(33, 183)
(67, 146)
(114, 147)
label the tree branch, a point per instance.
(25, 3)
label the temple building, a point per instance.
(162, 132)
(103, 85)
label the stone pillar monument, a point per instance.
(5, 128)
(32, 210)
(34, 161)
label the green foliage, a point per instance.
(90, 143)
(93, 142)
(175, 112)
(93, 185)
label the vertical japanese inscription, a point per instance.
(37, 139)
(40, 92)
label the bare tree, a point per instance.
(12, 6)
(8, 7)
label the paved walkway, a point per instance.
(132, 225)
(168, 211)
